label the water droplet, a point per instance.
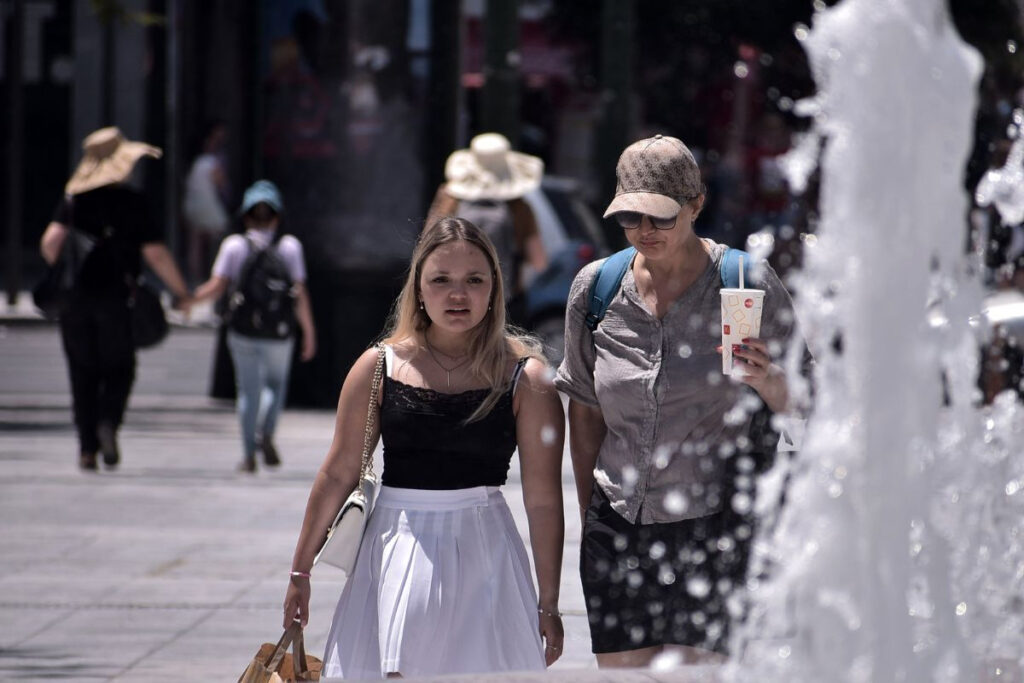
(785, 652)
(1013, 487)
(657, 550)
(667, 661)
(698, 587)
(961, 609)
(548, 434)
(1011, 46)
(620, 542)
(835, 490)
(666, 577)
(742, 503)
(629, 476)
(635, 579)
(662, 456)
(740, 70)
(801, 32)
(676, 503)
(834, 54)
(685, 351)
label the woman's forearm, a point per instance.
(304, 311)
(586, 434)
(51, 242)
(159, 258)
(325, 499)
(547, 535)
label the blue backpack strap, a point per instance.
(729, 268)
(606, 284)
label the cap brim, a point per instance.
(650, 203)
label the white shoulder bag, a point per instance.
(346, 532)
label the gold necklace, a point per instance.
(448, 371)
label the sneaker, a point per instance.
(87, 461)
(270, 456)
(108, 444)
(248, 465)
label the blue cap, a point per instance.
(262, 192)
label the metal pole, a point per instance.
(500, 106)
(443, 97)
(171, 157)
(108, 69)
(616, 87)
(15, 142)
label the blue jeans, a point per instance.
(261, 374)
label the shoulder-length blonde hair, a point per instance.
(493, 345)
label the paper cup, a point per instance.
(741, 318)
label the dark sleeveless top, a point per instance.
(427, 446)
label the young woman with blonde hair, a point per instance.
(442, 584)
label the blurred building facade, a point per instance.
(352, 106)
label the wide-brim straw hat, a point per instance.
(108, 158)
(489, 169)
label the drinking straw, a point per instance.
(741, 273)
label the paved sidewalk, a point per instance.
(174, 562)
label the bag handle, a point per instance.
(366, 470)
(291, 634)
(300, 667)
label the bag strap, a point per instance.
(606, 284)
(609, 279)
(729, 268)
(293, 631)
(300, 667)
(371, 415)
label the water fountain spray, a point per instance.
(866, 575)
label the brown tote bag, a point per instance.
(273, 664)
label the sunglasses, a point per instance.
(630, 220)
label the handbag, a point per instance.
(53, 292)
(346, 531)
(273, 664)
(149, 323)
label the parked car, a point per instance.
(572, 238)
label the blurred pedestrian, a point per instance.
(485, 184)
(441, 585)
(264, 274)
(654, 425)
(95, 323)
(206, 194)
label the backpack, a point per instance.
(262, 302)
(763, 437)
(494, 218)
(610, 275)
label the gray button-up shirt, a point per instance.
(672, 416)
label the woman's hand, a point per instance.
(762, 375)
(553, 634)
(296, 601)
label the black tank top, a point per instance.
(428, 446)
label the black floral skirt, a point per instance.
(658, 584)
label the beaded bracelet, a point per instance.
(304, 575)
(549, 613)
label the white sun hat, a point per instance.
(489, 169)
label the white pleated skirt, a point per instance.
(441, 585)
